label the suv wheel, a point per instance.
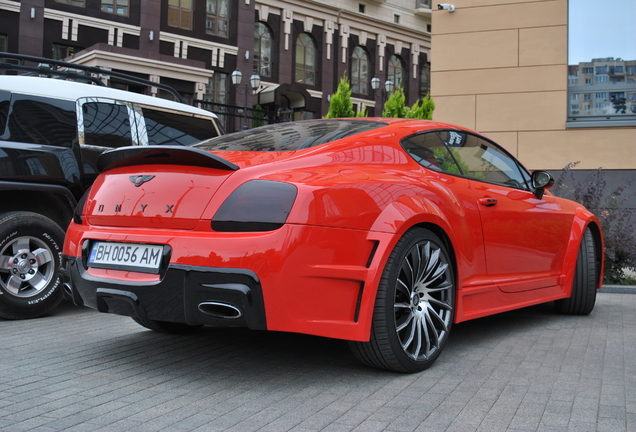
(30, 248)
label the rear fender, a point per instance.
(393, 222)
(408, 211)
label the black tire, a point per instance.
(583, 297)
(166, 326)
(30, 250)
(414, 306)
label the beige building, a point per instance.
(501, 68)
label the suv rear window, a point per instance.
(106, 124)
(176, 128)
(290, 136)
(37, 120)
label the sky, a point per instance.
(601, 28)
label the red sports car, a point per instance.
(383, 232)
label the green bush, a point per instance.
(617, 221)
(395, 106)
(257, 117)
(340, 104)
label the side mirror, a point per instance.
(541, 180)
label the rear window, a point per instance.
(106, 124)
(177, 128)
(290, 136)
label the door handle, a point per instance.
(487, 202)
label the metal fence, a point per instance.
(236, 117)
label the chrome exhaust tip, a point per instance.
(220, 310)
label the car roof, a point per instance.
(69, 90)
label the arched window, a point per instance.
(396, 71)
(359, 71)
(305, 59)
(262, 50)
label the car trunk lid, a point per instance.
(155, 187)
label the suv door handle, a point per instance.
(487, 202)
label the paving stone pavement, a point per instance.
(527, 370)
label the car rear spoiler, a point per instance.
(161, 155)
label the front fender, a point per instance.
(583, 219)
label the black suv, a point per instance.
(53, 126)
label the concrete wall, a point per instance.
(500, 67)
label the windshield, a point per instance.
(289, 136)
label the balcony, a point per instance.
(424, 7)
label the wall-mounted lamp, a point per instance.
(151, 35)
(32, 12)
(446, 6)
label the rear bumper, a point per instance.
(188, 294)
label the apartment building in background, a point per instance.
(602, 87)
(299, 49)
(551, 80)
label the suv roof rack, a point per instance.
(71, 71)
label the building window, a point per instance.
(395, 71)
(4, 43)
(79, 3)
(60, 52)
(180, 14)
(362, 8)
(217, 14)
(396, 19)
(305, 59)
(217, 92)
(604, 60)
(262, 50)
(360, 71)
(119, 7)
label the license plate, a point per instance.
(126, 256)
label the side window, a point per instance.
(482, 160)
(5, 98)
(39, 120)
(430, 152)
(166, 127)
(106, 124)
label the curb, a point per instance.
(620, 289)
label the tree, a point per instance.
(257, 117)
(340, 104)
(396, 106)
(422, 108)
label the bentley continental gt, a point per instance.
(382, 232)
